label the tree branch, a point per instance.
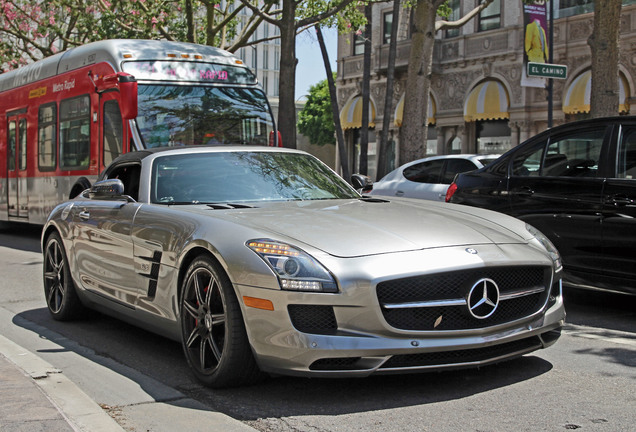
(442, 24)
(269, 17)
(326, 14)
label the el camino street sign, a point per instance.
(547, 70)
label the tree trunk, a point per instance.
(366, 85)
(209, 26)
(287, 103)
(418, 82)
(340, 142)
(604, 98)
(191, 32)
(366, 78)
(383, 146)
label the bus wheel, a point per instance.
(80, 186)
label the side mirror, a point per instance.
(128, 92)
(362, 183)
(110, 189)
(127, 86)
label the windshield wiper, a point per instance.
(228, 206)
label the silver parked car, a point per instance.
(428, 178)
(263, 259)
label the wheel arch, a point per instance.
(187, 259)
(46, 233)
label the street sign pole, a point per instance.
(551, 59)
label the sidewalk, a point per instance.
(37, 397)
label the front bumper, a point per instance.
(356, 339)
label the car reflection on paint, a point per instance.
(264, 260)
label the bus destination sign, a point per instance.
(161, 70)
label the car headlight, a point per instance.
(296, 269)
(548, 245)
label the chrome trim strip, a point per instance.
(433, 303)
(522, 293)
(460, 302)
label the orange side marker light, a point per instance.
(258, 303)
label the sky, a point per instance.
(311, 69)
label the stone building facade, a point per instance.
(483, 60)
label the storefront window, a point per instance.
(493, 136)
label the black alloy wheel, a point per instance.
(213, 333)
(59, 290)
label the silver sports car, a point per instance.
(264, 260)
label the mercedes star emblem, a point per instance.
(483, 298)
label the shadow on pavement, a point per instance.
(20, 236)
(600, 309)
(103, 339)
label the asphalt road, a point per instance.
(585, 382)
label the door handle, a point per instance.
(399, 193)
(619, 200)
(524, 191)
(84, 215)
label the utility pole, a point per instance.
(551, 61)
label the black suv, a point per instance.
(577, 184)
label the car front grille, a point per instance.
(460, 357)
(439, 301)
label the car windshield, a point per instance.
(234, 177)
(179, 115)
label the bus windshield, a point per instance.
(179, 115)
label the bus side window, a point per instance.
(11, 142)
(112, 131)
(47, 119)
(75, 133)
(22, 148)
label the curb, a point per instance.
(77, 408)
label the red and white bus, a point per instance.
(66, 117)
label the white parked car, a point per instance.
(430, 177)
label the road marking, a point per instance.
(606, 335)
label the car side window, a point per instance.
(425, 172)
(627, 155)
(455, 166)
(574, 155)
(527, 162)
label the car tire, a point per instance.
(214, 338)
(59, 289)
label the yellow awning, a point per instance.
(487, 101)
(399, 111)
(577, 96)
(351, 114)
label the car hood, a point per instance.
(348, 228)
